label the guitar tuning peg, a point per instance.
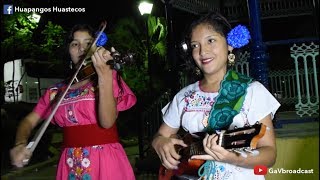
(240, 152)
(252, 152)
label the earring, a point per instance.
(231, 59)
(198, 71)
(71, 65)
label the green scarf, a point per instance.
(229, 101)
(231, 96)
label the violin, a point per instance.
(87, 70)
(116, 63)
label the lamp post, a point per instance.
(145, 9)
(34, 17)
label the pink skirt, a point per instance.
(101, 162)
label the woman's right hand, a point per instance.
(165, 148)
(20, 155)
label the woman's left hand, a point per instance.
(213, 150)
(99, 60)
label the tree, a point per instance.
(128, 34)
(18, 42)
(18, 39)
(17, 34)
(52, 45)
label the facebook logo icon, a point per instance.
(8, 9)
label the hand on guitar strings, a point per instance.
(166, 150)
(214, 150)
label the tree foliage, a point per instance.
(130, 35)
(54, 39)
(19, 39)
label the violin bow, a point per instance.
(35, 140)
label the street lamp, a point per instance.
(145, 9)
(34, 17)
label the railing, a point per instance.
(283, 8)
(237, 9)
(283, 85)
(297, 87)
(281, 82)
(306, 56)
(151, 120)
(242, 63)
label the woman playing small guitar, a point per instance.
(221, 100)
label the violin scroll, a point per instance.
(119, 60)
(116, 63)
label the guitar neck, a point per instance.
(238, 139)
(245, 137)
(195, 146)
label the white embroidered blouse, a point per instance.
(191, 107)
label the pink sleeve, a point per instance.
(43, 107)
(126, 99)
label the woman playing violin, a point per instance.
(87, 114)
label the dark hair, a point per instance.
(214, 19)
(90, 30)
(70, 38)
(218, 22)
(79, 27)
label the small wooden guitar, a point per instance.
(240, 140)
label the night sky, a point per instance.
(95, 10)
(274, 29)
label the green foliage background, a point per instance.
(22, 39)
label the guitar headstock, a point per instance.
(245, 137)
(240, 140)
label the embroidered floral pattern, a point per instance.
(70, 162)
(232, 90)
(228, 105)
(85, 162)
(77, 92)
(55, 89)
(197, 102)
(229, 101)
(79, 163)
(71, 114)
(225, 116)
(244, 113)
(72, 93)
(53, 93)
(205, 119)
(222, 173)
(97, 147)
